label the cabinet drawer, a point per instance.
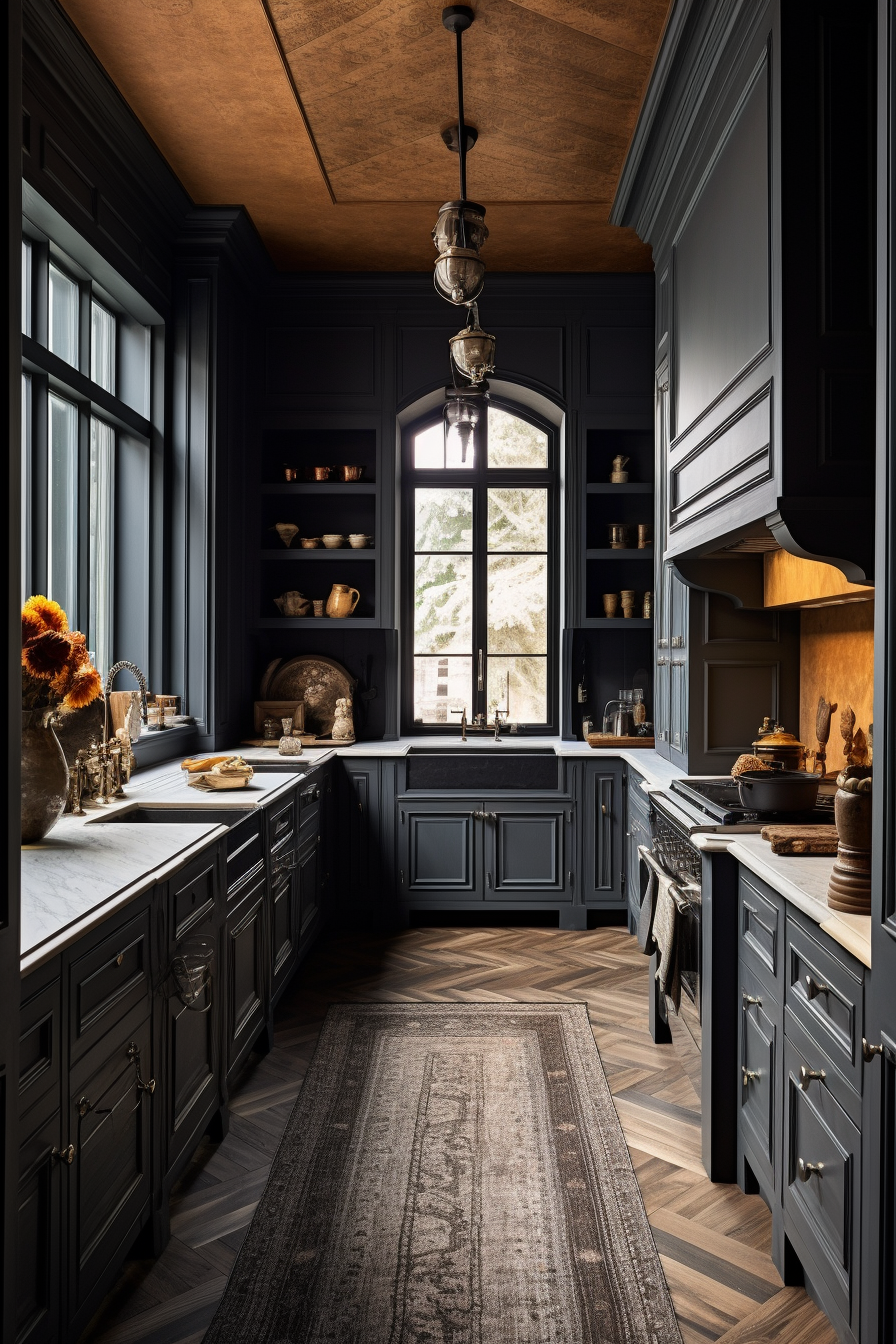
(192, 894)
(759, 1045)
(821, 1187)
(309, 804)
(245, 850)
(826, 996)
(40, 1041)
(761, 925)
(109, 982)
(281, 822)
(814, 1059)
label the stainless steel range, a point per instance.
(705, 1031)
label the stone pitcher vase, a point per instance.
(849, 889)
(44, 775)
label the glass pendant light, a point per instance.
(473, 350)
(464, 409)
(460, 228)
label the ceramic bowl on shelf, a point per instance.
(310, 543)
(359, 541)
(347, 473)
(333, 540)
(317, 473)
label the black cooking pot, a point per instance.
(778, 791)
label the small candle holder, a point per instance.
(628, 602)
(611, 603)
(645, 536)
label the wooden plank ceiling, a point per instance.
(323, 118)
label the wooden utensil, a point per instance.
(823, 730)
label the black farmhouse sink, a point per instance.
(482, 768)
(179, 816)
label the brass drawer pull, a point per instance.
(84, 1106)
(134, 1055)
(806, 1170)
(869, 1051)
(806, 1076)
(119, 959)
(813, 988)
(65, 1155)
(749, 1075)
(752, 999)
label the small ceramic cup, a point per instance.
(358, 540)
(628, 601)
(290, 473)
(310, 543)
(333, 540)
(620, 536)
(645, 535)
(611, 603)
(319, 605)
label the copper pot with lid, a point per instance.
(778, 748)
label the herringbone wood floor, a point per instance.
(714, 1241)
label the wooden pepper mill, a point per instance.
(849, 889)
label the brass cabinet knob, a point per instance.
(869, 1051)
(749, 1075)
(806, 1170)
(806, 1076)
(65, 1154)
(84, 1105)
(752, 999)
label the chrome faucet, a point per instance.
(500, 717)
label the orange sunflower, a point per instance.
(48, 612)
(86, 686)
(47, 655)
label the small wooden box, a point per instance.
(280, 709)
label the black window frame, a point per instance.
(480, 477)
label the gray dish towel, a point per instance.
(658, 926)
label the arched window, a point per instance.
(480, 574)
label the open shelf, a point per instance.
(621, 553)
(317, 622)
(321, 553)
(627, 488)
(618, 623)
(323, 488)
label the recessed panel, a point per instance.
(738, 696)
(529, 851)
(441, 852)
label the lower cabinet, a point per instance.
(284, 942)
(38, 1299)
(801, 1080)
(603, 835)
(246, 973)
(637, 833)
(358, 851)
(485, 850)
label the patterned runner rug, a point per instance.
(451, 1174)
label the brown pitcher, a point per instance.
(342, 600)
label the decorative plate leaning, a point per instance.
(317, 680)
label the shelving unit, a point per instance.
(321, 553)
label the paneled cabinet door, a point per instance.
(357, 835)
(527, 850)
(440, 851)
(192, 1032)
(247, 973)
(662, 704)
(39, 1297)
(309, 878)
(604, 855)
(678, 668)
(284, 916)
(760, 1125)
(111, 1105)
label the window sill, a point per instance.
(154, 748)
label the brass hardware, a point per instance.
(480, 679)
(813, 988)
(84, 1105)
(119, 959)
(65, 1155)
(749, 1075)
(806, 1076)
(805, 1170)
(662, 662)
(603, 808)
(134, 1056)
(752, 999)
(463, 722)
(869, 1051)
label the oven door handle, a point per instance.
(656, 868)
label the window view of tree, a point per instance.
(481, 576)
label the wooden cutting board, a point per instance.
(801, 839)
(608, 740)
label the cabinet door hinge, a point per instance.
(401, 875)
(488, 880)
(569, 816)
(622, 881)
(572, 878)
(402, 815)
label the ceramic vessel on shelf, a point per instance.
(290, 473)
(620, 536)
(271, 729)
(628, 602)
(289, 745)
(44, 775)
(333, 540)
(618, 475)
(647, 607)
(359, 541)
(849, 889)
(293, 604)
(319, 606)
(645, 536)
(310, 543)
(342, 600)
(317, 473)
(611, 603)
(348, 473)
(777, 747)
(287, 532)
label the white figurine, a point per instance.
(343, 726)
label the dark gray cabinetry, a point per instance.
(603, 834)
(637, 833)
(671, 620)
(440, 850)
(801, 1077)
(246, 971)
(284, 914)
(358, 852)
(528, 850)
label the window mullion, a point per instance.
(480, 576)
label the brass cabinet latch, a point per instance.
(65, 1154)
(134, 1056)
(806, 1076)
(806, 1170)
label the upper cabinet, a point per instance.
(751, 175)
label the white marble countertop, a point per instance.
(86, 869)
(657, 771)
(803, 881)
